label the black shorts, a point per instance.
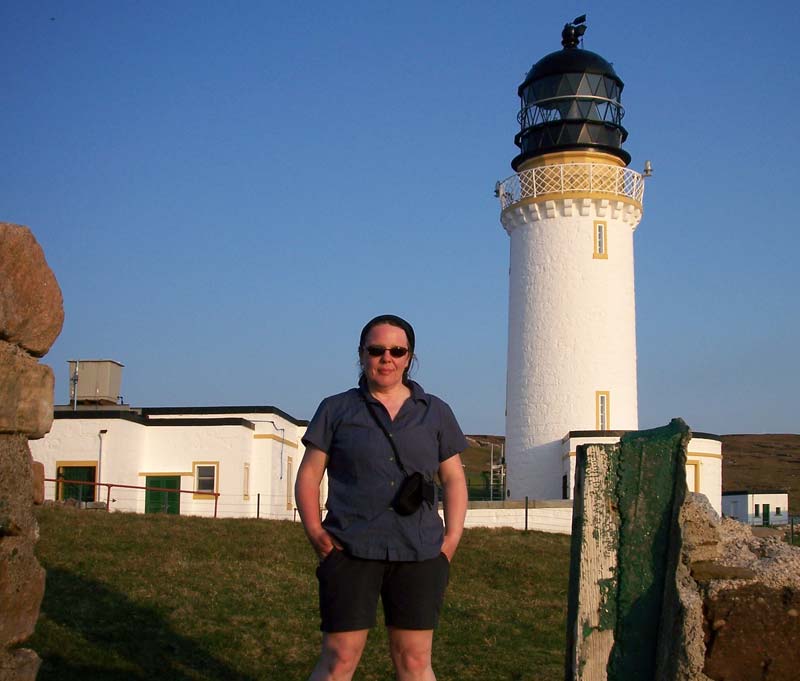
(412, 592)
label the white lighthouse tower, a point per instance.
(570, 212)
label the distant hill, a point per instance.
(758, 462)
(753, 462)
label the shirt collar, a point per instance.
(417, 393)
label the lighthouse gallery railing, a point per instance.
(571, 178)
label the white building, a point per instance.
(770, 507)
(570, 211)
(245, 457)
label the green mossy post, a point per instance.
(625, 515)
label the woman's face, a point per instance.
(385, 371)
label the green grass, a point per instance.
(170, 597)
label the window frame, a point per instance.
(602, 408)
(600, 239)
(207, 495)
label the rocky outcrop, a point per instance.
(26, 393)
(31, 306)
(661, 588)
(741, 596)
(31, 316)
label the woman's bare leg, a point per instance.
(341, 652)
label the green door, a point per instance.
(766, 514)
(156, 501)
(69, 490)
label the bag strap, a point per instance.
(388, 435)
(428, 488)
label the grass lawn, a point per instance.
(170, 597)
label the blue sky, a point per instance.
(228, 191)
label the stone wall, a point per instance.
(738, 592)
(31, 316)
(661, 588)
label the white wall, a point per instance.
(571, 333)
(77, 441)
(704, 469)
(557, 520)
(703, 465)
(132, 451)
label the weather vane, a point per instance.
(573, 32)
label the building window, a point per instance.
(600, 239)
(205, 479)
(777, 510)
(602, 410)
(246, 482)
(76, 481)
(758, 510)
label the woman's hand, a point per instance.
(448, 549)
(306, 492)
(323, 543)
(454, 485)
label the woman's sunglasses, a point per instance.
(378, 350)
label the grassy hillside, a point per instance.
(477, 459)
(749, 462)
(762, 462)
(179, 598)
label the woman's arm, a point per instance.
(454, 485)
(306, 493)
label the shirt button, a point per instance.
(391, 458)
(391, 483)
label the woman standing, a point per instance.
(371, 440)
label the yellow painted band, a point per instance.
(59, 464)
(704, 455)
(269, 436)
(159, 473)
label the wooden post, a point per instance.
(626, 503)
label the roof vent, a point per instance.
(94, 381)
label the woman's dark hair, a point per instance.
(392, 320)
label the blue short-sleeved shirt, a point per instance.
(363, 476)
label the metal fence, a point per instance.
(91, 489)
(569, 178)
(134, 498)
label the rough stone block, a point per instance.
(26, 393)
(19, 665)
(21, 590)
(16, 509)
(38, 482)
(31, 305)
(752, 633)
(699, 522)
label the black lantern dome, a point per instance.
(570, 101)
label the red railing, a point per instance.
(109, 485)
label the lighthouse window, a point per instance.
(602, 410)
(600, 239)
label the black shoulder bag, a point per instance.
(415, 488)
